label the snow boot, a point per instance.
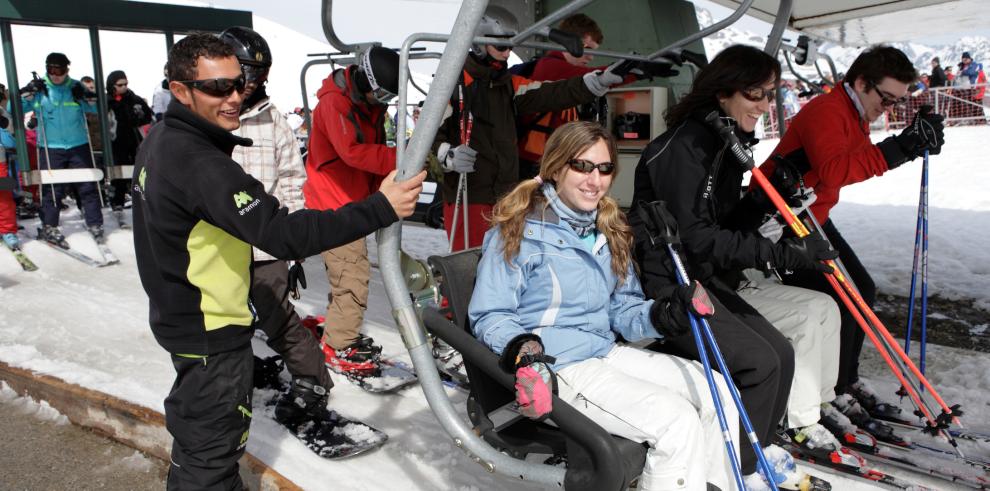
(359, 358)
(97, 232)
(305, 401)
(848, 405)
(53, 236)
(869, 401)
(12, 242)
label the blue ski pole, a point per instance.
(914, 265)
(924, 264)
(656, 216)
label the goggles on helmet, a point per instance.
(378, 92)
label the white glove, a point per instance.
(460, 159)
(600, 81)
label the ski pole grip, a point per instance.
(660, 224)
(735, 146)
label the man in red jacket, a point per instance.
(828, 145)
(347, 160)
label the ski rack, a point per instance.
(409, 160)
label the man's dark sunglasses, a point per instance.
(757, 94)
(217, 87)
(887, 100)
(586, 166)
(57, 70)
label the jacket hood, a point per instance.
(181, 117)
(112, 80)
(341, 82)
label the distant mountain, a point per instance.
(920, 54)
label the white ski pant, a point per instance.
(811, 321)
(661, 400)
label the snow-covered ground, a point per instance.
(89, 326)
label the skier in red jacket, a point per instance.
(828, 145)
(347, 160)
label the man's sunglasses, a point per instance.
(757, 94)
(217, 87)
(57, 70)
(887, 100)
(586, 166)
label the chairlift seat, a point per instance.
(595, 459)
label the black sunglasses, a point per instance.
(217, 87)
(57, 70)
(757, 94)
(586, 166)
(887, 100)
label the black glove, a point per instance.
(33, 122)
(650, 69)
(297, 277)
(786, 179)
(34, 86)
(808, 252)
(926, 132)
(670, 315)
(78, 91)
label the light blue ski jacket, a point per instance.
(559, 290)
(62, 116)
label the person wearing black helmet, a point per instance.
(347, 160)
(275, 160)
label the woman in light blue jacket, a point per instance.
(555, 291)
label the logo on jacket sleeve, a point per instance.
(244, 202)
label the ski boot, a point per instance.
(11, 241)
(449, 361)
(815, 439)
(847, 433)
(303, 403)
(786, 474)
(869, 401)
(53, 236)
(97, 232)
(847, 405)
(360, 358)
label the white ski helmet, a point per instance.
(495, 24)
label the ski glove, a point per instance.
(926, 132)
(670, 316)
(536, 383)
(33, 87)
(808, 252)
(786, 179)
(460, 159)
(599, 81)
(297, 278)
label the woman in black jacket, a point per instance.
(690, 168)
(131, 112)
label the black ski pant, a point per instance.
(279, 321)
(852, 335)
(208, 414)
(760, 358)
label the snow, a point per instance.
(9, 400)
(89, 327)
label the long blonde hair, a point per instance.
(566, 143)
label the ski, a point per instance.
(862, 472)
(108, 256)
(78, 256)
(963, 434)
(938, 469)
(22, 259)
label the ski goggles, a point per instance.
(57, 70)
(382, 96)
(254, 73)
(757, 94)
(217, 87)
(586, 166)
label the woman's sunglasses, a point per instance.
(586, 166)
(217, 87)
(757, 94)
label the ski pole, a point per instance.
(836, 279)
(663, 223)
(467, 141)
(39, 111)
(924, 265)
(92, 160)
(914, 264)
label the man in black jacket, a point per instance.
(937, 78)
(196, 216)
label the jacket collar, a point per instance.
(747, 138)
(260, 107)
(544, 216)
(180, 117)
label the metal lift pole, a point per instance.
(772, 47)
(23, 163)
(718, 26)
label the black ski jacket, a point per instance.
(690, 167)
(196, 216)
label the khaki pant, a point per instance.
(348, 271)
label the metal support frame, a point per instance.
(10, 64)
(331, 35)
(831, 66)
(539, 26)
(718, 26)
(771, 48)
(101, 100)
(790, 66)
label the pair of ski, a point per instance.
(25, 262)
(108, 257)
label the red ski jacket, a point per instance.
(347, 153)
(837, 142)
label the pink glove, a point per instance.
(533, 390)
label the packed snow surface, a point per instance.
(90, 326)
